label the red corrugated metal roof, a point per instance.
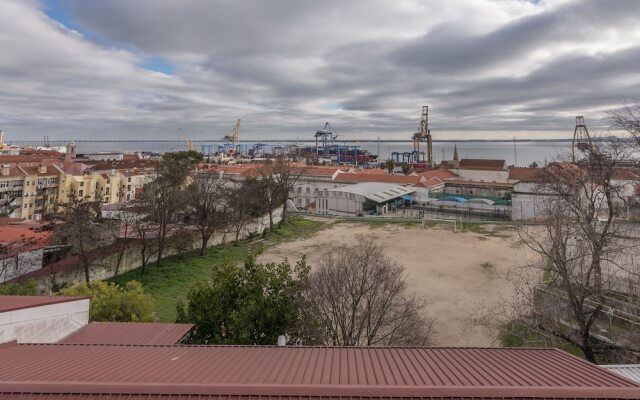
(11, 303)
(128, 333)
(307, 372)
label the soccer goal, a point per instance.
(425, 220)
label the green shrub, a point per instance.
(110, 302)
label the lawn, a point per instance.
(169, 282)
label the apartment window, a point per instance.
(308, 190)
(128, 188)
(129, 179)
(4, 184)
(316, 190)
(299, 189)
(81, 184)
(80, 193)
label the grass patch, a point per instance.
(170, 281)
(489, 229)
(486, 265)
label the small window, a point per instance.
(81, 184)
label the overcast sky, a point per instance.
(143, 69)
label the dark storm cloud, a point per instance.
(286, 66)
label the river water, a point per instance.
(521, 154)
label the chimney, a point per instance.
(42, 169)
(282, 341)
(4, 170)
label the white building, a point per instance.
(366, 198)
(480, 170)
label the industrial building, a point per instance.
(367, 198)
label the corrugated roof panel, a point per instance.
(128, 333)
(629, 371)
(11, 303)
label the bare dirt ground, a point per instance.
(444, 268)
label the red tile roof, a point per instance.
(236, 372)
(327, 171)
(385, 178)
(128, 333)
(483, 164)
(524, 173)
(19, 238)
(11, 303)
(438, 173)
(374, 171)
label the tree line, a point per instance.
(181, 205)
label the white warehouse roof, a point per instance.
(629, 371)
(377, 191)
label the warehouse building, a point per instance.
(367, 198)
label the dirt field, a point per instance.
(443, 267)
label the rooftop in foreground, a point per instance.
(128, 333)
(12, 303)
(86, 371)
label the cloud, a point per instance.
(146, 68)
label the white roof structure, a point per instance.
(629, 371)
(377, 191)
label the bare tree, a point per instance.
(271, 192)
(206, 198)
(141, 230)
(82, 230)
(286, 175)
(165, 194)
(360, 297)
(584, 240)
(121, 233)
(244, 204)
(627, 119)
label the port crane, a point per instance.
(423, 135)
(326, 135)
(187, 139)
(234, 137)
(581, 138)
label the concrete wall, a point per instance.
(18, 265)
(105, 268)
(306, 190)
(343, 202)
(481, 175)
(44, 324)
